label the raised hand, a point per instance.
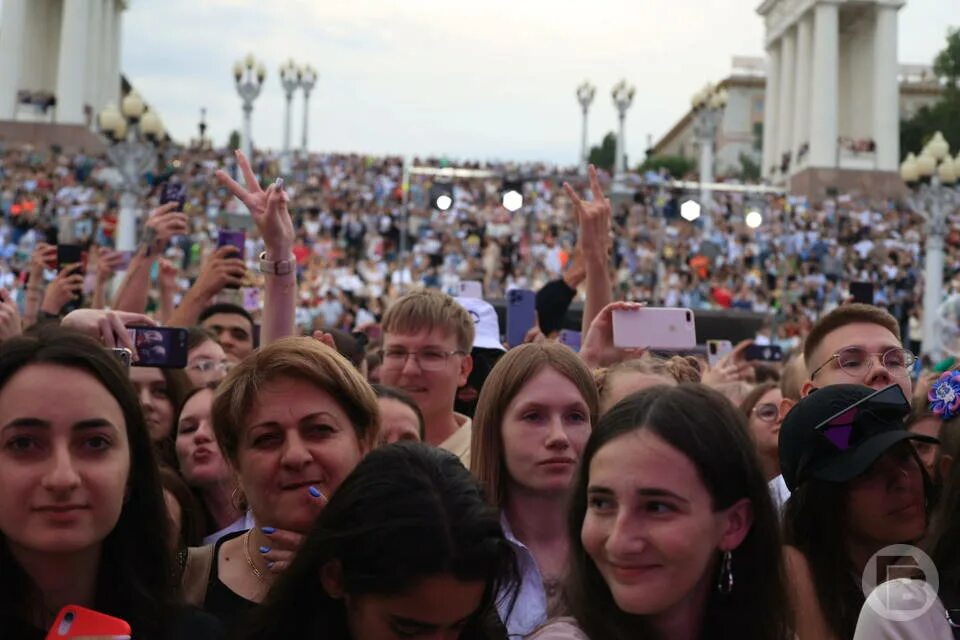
(597, 349)
(593, 218)
(268, 208)
(67, 286)
(107, 262)
(220, 270)
(163, 223)
(44, 257)
(167, 276)
(10, 326)
(110, 327)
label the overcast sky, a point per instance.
(480, 79)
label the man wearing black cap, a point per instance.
(857, 487)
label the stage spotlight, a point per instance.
(690, 210)
(441, 196)
(512, 195)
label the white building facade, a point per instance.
(833, 115)
(59, 59)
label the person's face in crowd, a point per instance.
(928, 453)
(545, 428)
(234, 333)
(624, 383)
(397, 421)
(436, 607)
(207, 363)
(434, 391)
(650, 526)
(201, 462)
(155, 400)
(885, 505)
(765, 423)
(297, 437)
(64, 460)
(871, 337)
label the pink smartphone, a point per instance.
(665, 329)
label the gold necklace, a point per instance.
(246, 553)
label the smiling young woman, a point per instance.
(673, 533)
(82, 514)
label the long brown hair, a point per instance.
(511, 373)
(705, 427)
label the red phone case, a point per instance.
(75, 622)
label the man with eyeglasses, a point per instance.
(857, 344)
(427, 337)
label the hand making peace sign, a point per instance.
(268, 208)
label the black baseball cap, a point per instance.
(838, 431)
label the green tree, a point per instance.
(749, 170)
(944, 115)
(677, 166)
(234, 142)
(604, 155)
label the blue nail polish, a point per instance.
(315, 492)
(268, 530)
(264, 549)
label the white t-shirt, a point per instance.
(910, 594)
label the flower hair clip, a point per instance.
(944, 395)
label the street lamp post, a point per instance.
(308, 79)
(708, 106)
(290, 79)
(585, 94)
(201, 143)
(931, 178)
(248, 75)
(622, 99)
(133, 132)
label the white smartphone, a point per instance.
(471, 289)
(666, 329)
(717, 350)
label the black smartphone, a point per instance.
(862, 292)
(163, 347)
(174, 192)
(69, 254)
(763, 353)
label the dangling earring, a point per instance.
(725, 583)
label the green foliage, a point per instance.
(749, 170)
(677, 166)
(234, 142)
(944, 115)
(604, 155)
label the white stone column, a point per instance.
(787, 81)
(116, 51)
(823, 103)
(72, 64)
(106, 59)
(95, 46)
(801, 96)
(771, 108)
(14, 25)
(886, 89)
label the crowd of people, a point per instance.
(353, 258)
(351, 450)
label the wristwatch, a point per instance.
(276, 267)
